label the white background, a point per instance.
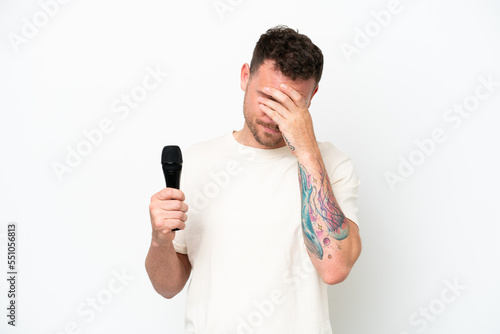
(439, 225)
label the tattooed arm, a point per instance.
(332, 240)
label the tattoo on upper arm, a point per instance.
(320, 209)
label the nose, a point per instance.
(266, 119)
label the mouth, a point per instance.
(270, 128)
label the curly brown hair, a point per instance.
(295, 55)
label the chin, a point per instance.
(271, 140)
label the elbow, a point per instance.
(336, 276)
(167, 292)
(168, 295)
(339, 273)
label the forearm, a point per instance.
(165, 270)
(332, 240)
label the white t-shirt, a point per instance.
(250, 269)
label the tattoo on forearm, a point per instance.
(310, 237)
(319, 209)
(288, 143)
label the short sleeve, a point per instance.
(345, 183)
(179, 242)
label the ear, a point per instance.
(314, 92)
(245, 76)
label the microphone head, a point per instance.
(171, 155)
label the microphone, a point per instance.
(171, 162)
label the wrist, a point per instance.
(162, 241)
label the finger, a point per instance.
(276, 106)
(277, 118)
(172, 205)
(168, 220)
(169, 225)
(295, 96)
(281, 97)
(158, 215)
(169, 193)
(180, 226)
(174, 215)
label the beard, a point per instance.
(264, 138)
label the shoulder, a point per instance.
(206, 149)
(207, 144)
(337, 163)
(331, 154)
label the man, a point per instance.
(272, 216)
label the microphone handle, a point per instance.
(173, 180)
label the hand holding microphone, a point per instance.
(167, 208)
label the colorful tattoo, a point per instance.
(311, 240)
(319, 209)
